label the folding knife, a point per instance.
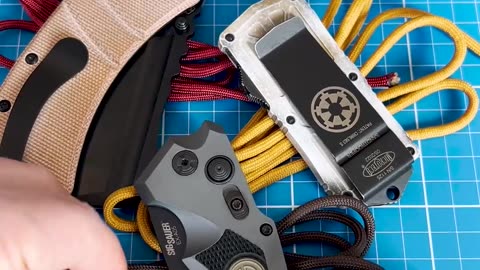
(291, 65)
(201, 207)
(52, 96)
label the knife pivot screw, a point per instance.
(236, 204)
(266, 229)
(290, 120)
(230, 37)
(31, 58)
(5, 105)
(219, 169)
(411, 150)
(181, 24)
(185, 163)
(353, 76)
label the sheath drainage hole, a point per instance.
(393, 193)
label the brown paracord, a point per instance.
(350, 256)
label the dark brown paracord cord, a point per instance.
(351, 256)
(360, 235)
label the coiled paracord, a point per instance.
(350, 256)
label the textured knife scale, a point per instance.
(112, 31)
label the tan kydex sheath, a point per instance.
(112, 31)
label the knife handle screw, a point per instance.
(181, 24)
(290, 120)
(266, 229)
(236, 204)
(353, 76)
(5, 106)
(230, 37)
(31, 59)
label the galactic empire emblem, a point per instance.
(335, 109)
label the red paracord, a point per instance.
(18, 24)
(206, 53)
(39, 10)
(228, 78)
(15, 24)
(205, 70)
(197, 45)
(385, 81)
(183, 91)
(205, 74)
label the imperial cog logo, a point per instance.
(335, 109)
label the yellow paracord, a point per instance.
(261, 146)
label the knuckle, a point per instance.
(87, 210)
